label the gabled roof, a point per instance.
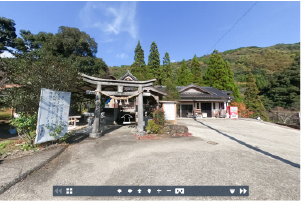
(208, 92)
(129, 74)
(195, 86)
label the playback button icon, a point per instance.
(242, 191)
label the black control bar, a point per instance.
(150, 190)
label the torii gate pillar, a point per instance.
(140, 112)
(95, 129)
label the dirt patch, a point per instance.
(211, 142)
(13, 150)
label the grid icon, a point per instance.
(68, 190)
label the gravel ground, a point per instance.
(119, 159)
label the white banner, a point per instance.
(53, 110)
(169, 110)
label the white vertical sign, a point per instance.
(169, 110)
(53, 109)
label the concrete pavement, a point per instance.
(119, 159)
(14, 170)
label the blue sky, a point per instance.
(180, 28)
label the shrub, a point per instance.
(159, 117)
(153, 127)
(26, 126)
(56, 129)
(157, 124)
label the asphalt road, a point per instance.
(264, 157)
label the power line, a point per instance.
(232, 27)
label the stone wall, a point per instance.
(177, 129)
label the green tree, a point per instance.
(7, 34)
(220, 75)
(231, 85)
(284, 87)
(138, 68)
(190, 78)
(153, 65)
(32, 75)
(68, 44)
(196, 71)
(216, 74)
(252, 99)
(167, 70)
(171, 90)
(183, 74)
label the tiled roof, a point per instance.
(215, 93)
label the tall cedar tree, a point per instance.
(171, 90)
(183, 79)
(138, 68)
(167, 70)
(216, 74)
(153, 65)
(190, 78)
(196, 71)
(232, 85)
(252, 100)
(220, 75)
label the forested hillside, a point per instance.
(267, 64)
(260, 61)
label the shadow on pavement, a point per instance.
(112, 128)
(254, 148)
(80, 136)
(77, 138)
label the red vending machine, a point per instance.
(232, 112)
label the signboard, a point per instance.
(169, 110)
(53, 110)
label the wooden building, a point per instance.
(201, 101)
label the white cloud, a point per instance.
(6, 55)
(122, 56)
(111, 17)
(173, 60)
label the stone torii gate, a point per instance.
(120, 84)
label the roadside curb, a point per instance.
(25, 174)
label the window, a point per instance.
(198, 106)
(213, 106)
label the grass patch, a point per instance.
(4, 116)
(6, 146)
(4, 143)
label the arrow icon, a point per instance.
(58, 191)
(243, 191)
(159, 190)
(232, 191)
